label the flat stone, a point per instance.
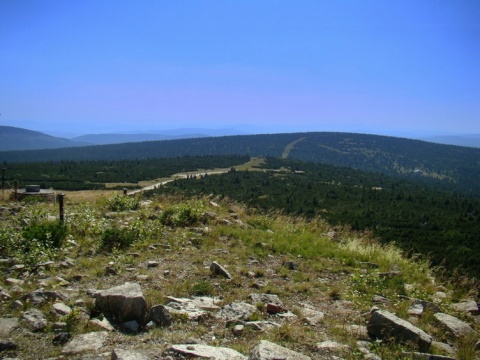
(311, 316)
(383, 324)
(455, 326)
(470, 307)
(7, 325)
(35, 320)
(416, 309)
(267, 350)
(61, 309)
(237, 311)
(208, 352)
(40, 296)
(103, 324)
(87, 342)
(265, 299)
(261, 325)
(238, 330)
(119, 354)
(182, 306)
(275, 309)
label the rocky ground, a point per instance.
(232, 285)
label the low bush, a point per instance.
(47, 233)
(179, 215)
(122, 203)
(114, 238)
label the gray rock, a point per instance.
(7, 325)
(383, 324)
(331, 346)
(237, 311)
(443, 347)
(40, 296)
(416, 309)
(131, 326)
(61, 309)
(103, 324)
(62, 338)
(261, 325)
(119, 354)
(290, 265)
(123, 303)
(238, 329)
(455, 326)
(470, 307)
(209, 352)
(35, 320)
(427, 305)
(92, 341)
(160, 315)
(218, 269)
(424, 356)
(265, 299)
(182, 306)
(267, 350)
(311, 316)
(7, 345)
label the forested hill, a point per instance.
(453, 167)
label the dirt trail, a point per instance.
(289, 147)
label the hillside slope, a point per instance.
(13, 138)
(303, 285)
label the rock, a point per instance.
(470, 307)
(356, 331)
(237, 311)
(61, 309)
(416, 309)
(383, 325)
(7, 345)
(275, 309)
(152, 264)
(443, 347)
(290, 265)
(209, 352)
(265, 299)
(183, 306)
(424, 356)
(331, 346)
(455, 326)
(312, 316)
(160, 315)
(218, 269)
(103, 324)
(35, 320)
(378, 299)
(123, 303)
(131, 326)
(238, 330)
(62, 338)
(17, 304)
(87, 342)
(13, 281)
(261, 325)
(119, 354)
(427, 305)
(40, 296)
(7, 325)
(4, 295)
(267, 350)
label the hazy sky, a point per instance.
(93, 66)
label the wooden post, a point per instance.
(60, 203)
(15, 194)
(125, 191)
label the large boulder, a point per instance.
(384, 325)
(122, 303)
(267, 350)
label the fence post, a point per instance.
(60, 203)
(15, 194)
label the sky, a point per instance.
(411, 67)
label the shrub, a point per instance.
(179, 215)
(114, 238)
(202, 288)
(122, 203)
(47, 233)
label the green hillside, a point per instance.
(451, 167)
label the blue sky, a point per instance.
(390, 67)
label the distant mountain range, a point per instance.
(14, 138)
(471, 140)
